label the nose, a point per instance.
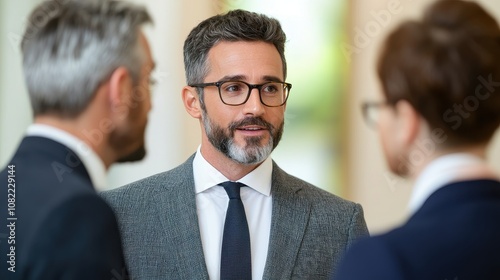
(253, 105)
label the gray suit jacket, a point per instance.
(310, 228)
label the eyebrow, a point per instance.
(243, 78)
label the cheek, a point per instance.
(138, 116)
(276, 116)
(394, 154)
(220, 113)
(146, 107)
(384, 142)
(390, 156)
(386, 138)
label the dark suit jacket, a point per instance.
(455, 236)
(64, 230)
(310, 228)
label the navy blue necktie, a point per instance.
(236, 263)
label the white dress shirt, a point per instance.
(445, 170)
(90, 160)
(211, 205)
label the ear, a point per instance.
(120, 91)
(191, 101)
(408, 123)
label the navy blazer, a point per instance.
(455, 235)
(64, 230)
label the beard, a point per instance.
(123, 141)
(253, 152)
(136, 155)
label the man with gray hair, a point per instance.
(87, 66)
(229, 212)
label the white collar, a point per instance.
(91, 161)
(445, 170)
(206, 176)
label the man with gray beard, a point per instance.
(229, 211)
(87, 67)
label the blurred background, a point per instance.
(331, 53)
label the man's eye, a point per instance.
(270, 88)
(233, 87)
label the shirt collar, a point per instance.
(207, 176)
(92, 162)
(445, 170)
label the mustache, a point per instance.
(251, 121)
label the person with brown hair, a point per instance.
(439, 110)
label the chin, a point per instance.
(136, 155)
(398, 166)
(394, 163)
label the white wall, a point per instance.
(383, 196)
(15, 112)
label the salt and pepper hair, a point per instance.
(70, 47)
(234, 26)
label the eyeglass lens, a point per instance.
(271, 94)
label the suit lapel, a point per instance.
(288, 223)
(177, 205)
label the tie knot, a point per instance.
(232, 189)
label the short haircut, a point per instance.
(234, 26)
(442, 65)
(70, 47)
